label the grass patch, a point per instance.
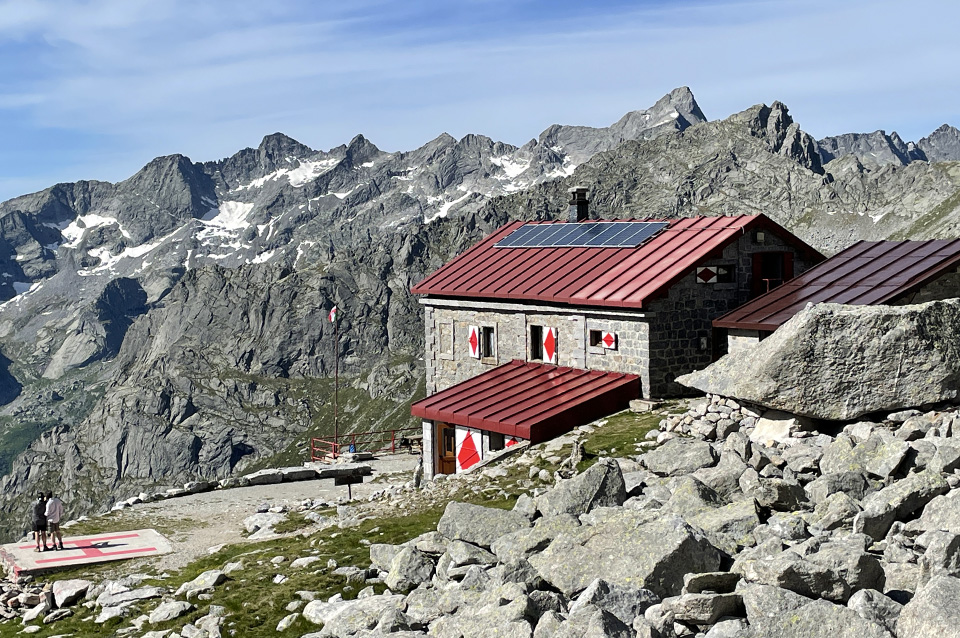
(254, 602)
(294, 522)
(124, 521)
(618, 436)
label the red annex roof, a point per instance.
(618, 277)
(530, 400)
(866, 273)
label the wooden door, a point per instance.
(447, 449)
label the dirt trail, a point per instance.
(198, 522)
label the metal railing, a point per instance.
(375, 441)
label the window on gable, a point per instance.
(496, 441)
(488, 342)
(596, 338)
(536, 343)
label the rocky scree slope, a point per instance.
(846, 534)
(350, 226)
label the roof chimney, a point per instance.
(578, 210)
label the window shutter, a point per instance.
(609, 340)
(756, 285)
(787, 267)
(473, 342)
(550, 345)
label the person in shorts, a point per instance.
(54, 513)
(40, 522)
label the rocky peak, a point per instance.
(278, 150)
(873, 148)
(775, 125)
(673, 112)
(164, 194)
(361, 150)
(677, 108)
(943, 145)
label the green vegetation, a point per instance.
(117, 522)
(255, 603)
(294, 523)
(618, 436)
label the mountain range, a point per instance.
(172, 326)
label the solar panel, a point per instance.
(584, 235)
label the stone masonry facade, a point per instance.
(946, 286)
(448, 323)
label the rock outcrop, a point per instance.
(841, 362)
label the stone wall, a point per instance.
(429, 451)
(448, 361)
(682, 335)
(741, 339)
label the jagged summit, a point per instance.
(880, 149)
(943, 145)
(673, 112)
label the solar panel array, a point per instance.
(588, 235)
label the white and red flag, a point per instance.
(333, 314)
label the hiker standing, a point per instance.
(40, 522)
(54, 513)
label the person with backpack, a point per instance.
(54, 512)
(40, 522)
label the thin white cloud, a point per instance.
(208, 78)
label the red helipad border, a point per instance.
(19, 559)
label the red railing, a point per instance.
(375, 441)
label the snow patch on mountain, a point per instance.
(304, 173)
(73, 232)
(510, 166)
(230, 215)
(445, 208)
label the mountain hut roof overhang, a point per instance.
(620, 277)
(866, 273)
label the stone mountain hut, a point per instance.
(544, 326)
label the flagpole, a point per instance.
(336, 386)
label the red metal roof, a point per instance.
(866, 273)
(619, 277)
(530, 400)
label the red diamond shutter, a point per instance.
(550, 345)
(473, 342)
(609, 340)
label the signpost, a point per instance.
(348, 481)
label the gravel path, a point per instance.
(202, 521)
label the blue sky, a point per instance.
(94, 89)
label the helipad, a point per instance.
(20, 559)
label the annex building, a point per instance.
(867, 273)
(544, 326)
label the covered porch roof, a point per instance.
(531, 401)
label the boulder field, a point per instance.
(759, 527)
